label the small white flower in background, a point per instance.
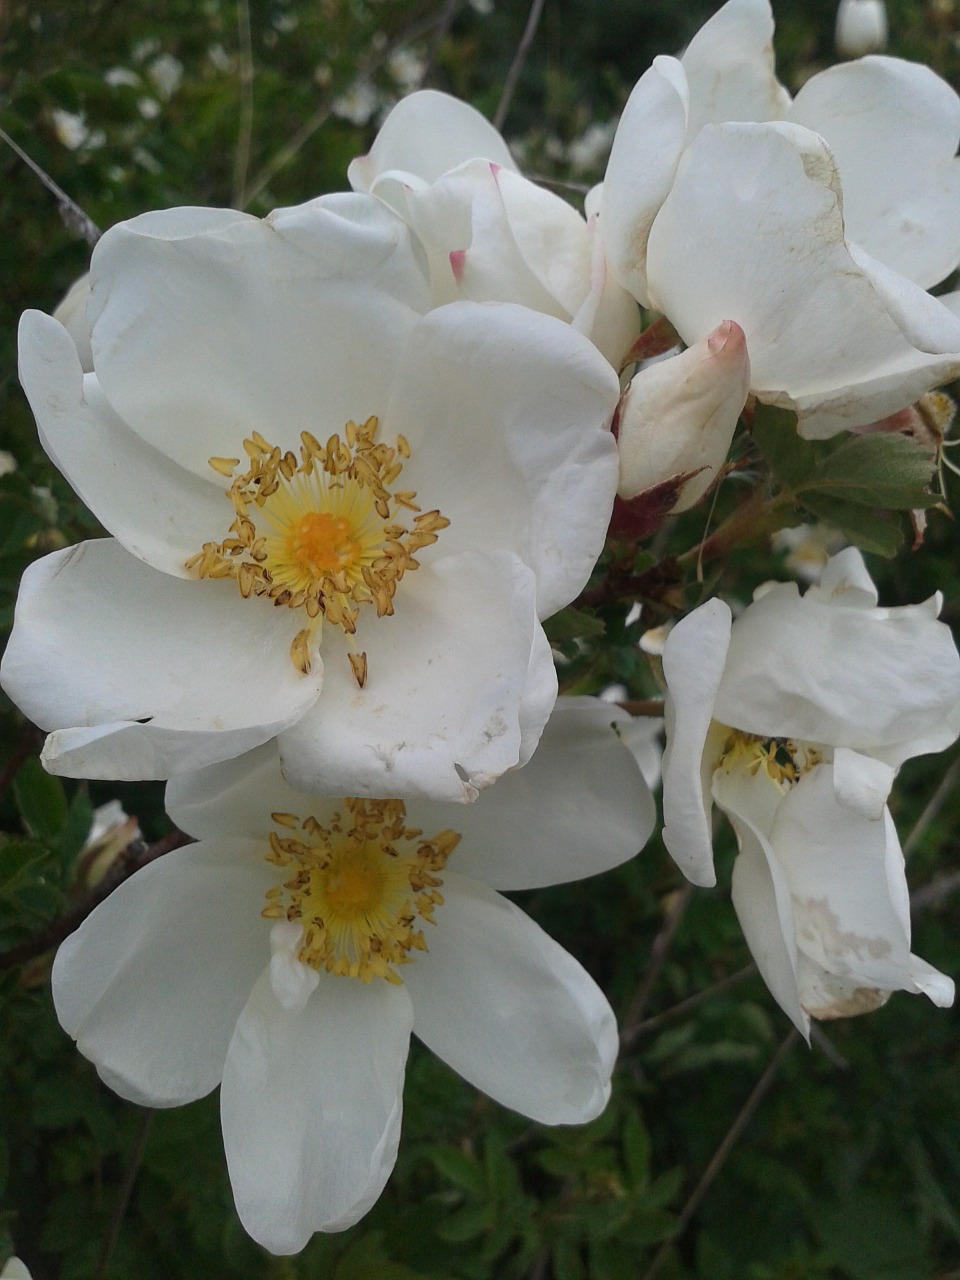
(166, 73)
(490, 234)
(861, 27)
(677, 417)
(277, 436)
(111, 831)
(358, 104)
(817, 225)
(14, 1269)
(289, 953)
(71, 129)
(808, 547)
(8, 462)
(795, 722)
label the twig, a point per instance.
(372, 63)
(658, 954)
(125, 1192)
(71, 213)
(932, 808)
(643, 706)
(241, 160)
(719, 1157)
(516, 66)
(631, 1032)
(935, 891)
(135, 856)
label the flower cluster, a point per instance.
(351, 457)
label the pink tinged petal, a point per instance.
(152, 983)
(357, 234)
(729, 65)
(426, 134)
(880, 681)
(510, 1010)
(752, 230)
(678, 416)
(643, 161)
(311, 1104)
(202, 336)
(579, 807)
(143, 675)
(524, 461)
(693, 663)
(460, 684)
(161, 513)
(892, 127)
(761, 897)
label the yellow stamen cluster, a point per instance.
(781, 759)
(358, 887)
(320, 533)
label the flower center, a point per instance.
(321, 534)
(358, 887)
(781, 759)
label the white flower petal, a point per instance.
(510, 1010)
(161, 513)
(527, 462)
(152, 983)
(752, 231)
(893, 128)
(848, 677)
(579, 807)
(643, 161)
(200, 338)
(693, 664)
(861, 782)
(71, 311)
(427, 134)
(837, 865)
(761, 897)
(422, 724)
(729, 67)
(145, 675)
(311, 1105)
(845, 579)
(353, 234)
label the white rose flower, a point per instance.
(277, 436)
(861, 27)
(817, 226)
(490, 234)
(289, 953)
(795, 721)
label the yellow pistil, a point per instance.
(358, 887)
(781, 759)
(321, 534)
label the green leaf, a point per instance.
(459, 1168)
(875, 471)
(636, 1150)
(879, 532)
(16, 856)
(467, 1223)
(789, 458)
(573, 624)
(41, 800)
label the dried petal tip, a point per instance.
(677, 417)
(861, 27)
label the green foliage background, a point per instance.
(848, 1167)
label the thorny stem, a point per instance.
(632, 1030)
(719, 1157)
(71, 213)
(135, 856)
(658, 954)
(754, 518)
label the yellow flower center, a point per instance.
(358, 887)
(321, 534)
(781, 759)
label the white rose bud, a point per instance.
(677, 417)
(861, 27)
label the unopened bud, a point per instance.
(677, 417)
(861, 27)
